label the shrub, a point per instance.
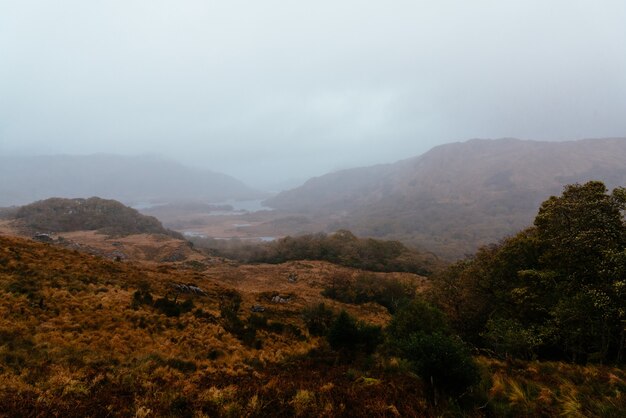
(420, 334)
(418, 316)
(351, 336)
(171, 307)
(442, 361)
(318, 319)
(141, 297)
(182, 365)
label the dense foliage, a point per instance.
(419, 333)
(342, 248)
(555, 290)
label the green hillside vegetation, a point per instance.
(107, 216)
(341, 247)
(553, 291)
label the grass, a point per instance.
(555, 389)
(72, 343)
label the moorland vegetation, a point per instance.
(532, 326)
(341, 247)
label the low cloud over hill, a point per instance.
(128, 179)
(456, 196)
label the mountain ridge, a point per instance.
(456, 196)
(130, 179)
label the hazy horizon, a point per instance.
(270, 92)
(275, 185)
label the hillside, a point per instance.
(93, 214)
(131, 180)
(84, 336)
(458, 196)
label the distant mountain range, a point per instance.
(131, 180)
(456, 196)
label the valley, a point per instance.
(449, 201)
(227, 209)
(106, 321)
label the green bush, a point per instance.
(509, 338)
(442, 361)
(419, 333)
(418, 316)
(352, 336)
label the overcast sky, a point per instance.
(272, 90)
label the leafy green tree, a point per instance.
(554, 289)
(578, 228)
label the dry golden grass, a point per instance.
(555, 389)
(72, 343)
(69, 331)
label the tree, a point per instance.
(556, 289)
(579, 227)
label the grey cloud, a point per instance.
(272, 90)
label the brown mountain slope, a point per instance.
(456, 196)
(82, 336)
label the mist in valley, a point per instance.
(330, 208)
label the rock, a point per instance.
(279, 299)
(188, 288)
(118, 255)
(43, 237)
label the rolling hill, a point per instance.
(93, 214)
(457, 196)
(83, 336)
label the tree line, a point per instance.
(341, 247)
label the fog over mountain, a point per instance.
(456, 196)
(270, 91)
(132, 180)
